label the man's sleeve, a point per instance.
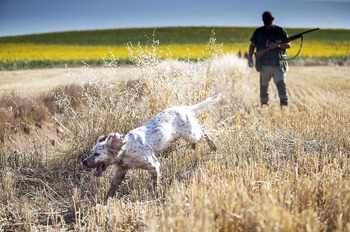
(285, 34)
(254, 38)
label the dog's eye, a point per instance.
(96, 154)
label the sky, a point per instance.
(19, 17)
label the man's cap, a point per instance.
(267, 15)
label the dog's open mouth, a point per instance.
(100, 168)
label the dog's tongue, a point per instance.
(98, 171)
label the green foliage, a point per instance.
(166, 35)
(20, 64)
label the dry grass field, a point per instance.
(274, 170)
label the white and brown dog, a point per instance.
(139, 147)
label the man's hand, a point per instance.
(272, 45)
(250, 54)
(250, 62)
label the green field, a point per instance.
(166, 35)
(27, 51)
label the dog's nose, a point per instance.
(85, 162)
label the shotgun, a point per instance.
(260, 53)
(297, 36)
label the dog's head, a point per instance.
(104, 153)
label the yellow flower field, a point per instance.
(33, 52)
(321, 48)
(28, 52)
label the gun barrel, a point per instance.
(297, 36)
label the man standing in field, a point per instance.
(270, 58)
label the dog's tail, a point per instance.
(197, 108)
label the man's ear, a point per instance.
(114, 141)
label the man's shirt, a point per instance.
(263, 36)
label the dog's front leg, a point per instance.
(117, 179)
(209, 140)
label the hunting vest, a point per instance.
(276, 57)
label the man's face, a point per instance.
(267, 20)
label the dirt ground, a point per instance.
(29, 82)
(36, 81)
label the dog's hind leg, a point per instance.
(117, 179)
(154, 170)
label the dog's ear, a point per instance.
(114, 141)
(101, 138)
